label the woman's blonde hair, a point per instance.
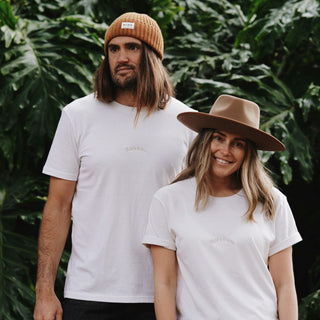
(154, 87)
(252, 175)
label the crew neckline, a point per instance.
(239, 193)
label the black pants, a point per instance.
(91, 310)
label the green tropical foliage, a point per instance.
(310, 306)
(44, 64)
(267, 51)
(233, 55)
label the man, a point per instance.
(112, 150)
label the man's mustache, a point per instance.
(123, 65)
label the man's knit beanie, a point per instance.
(136, 25)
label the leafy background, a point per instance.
(266, 51)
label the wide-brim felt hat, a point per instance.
(235, 115)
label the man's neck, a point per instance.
(126, 97)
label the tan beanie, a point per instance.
(139, 26)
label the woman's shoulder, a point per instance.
(280, 199)
(278, 195)
(177, 189)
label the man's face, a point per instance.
(124, 54)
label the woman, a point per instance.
(221, 235)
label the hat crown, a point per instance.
(236, 109)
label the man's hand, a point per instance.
(47, 307)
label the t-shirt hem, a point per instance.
(285, 244)
(106, 298)
(59, 174)
(148, 240)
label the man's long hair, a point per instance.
(154, 87)
(252, 176)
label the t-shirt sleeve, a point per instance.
(158, 231)
(63, 160)
(286, 232)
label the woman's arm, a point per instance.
(165, 280)
(281, 269)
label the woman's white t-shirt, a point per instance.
(222, 258)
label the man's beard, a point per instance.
(124, 83)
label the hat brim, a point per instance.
(197, 121)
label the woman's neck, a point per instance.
(224, 187)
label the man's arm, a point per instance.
(54, 230)
(165, 281)
(281, 269)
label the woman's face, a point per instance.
(227, 154)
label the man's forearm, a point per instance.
(53, 234)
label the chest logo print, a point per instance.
(135, 148)
(221, 239)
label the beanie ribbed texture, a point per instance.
(136, 25)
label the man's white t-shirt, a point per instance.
(222, 258)
(118, 167)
